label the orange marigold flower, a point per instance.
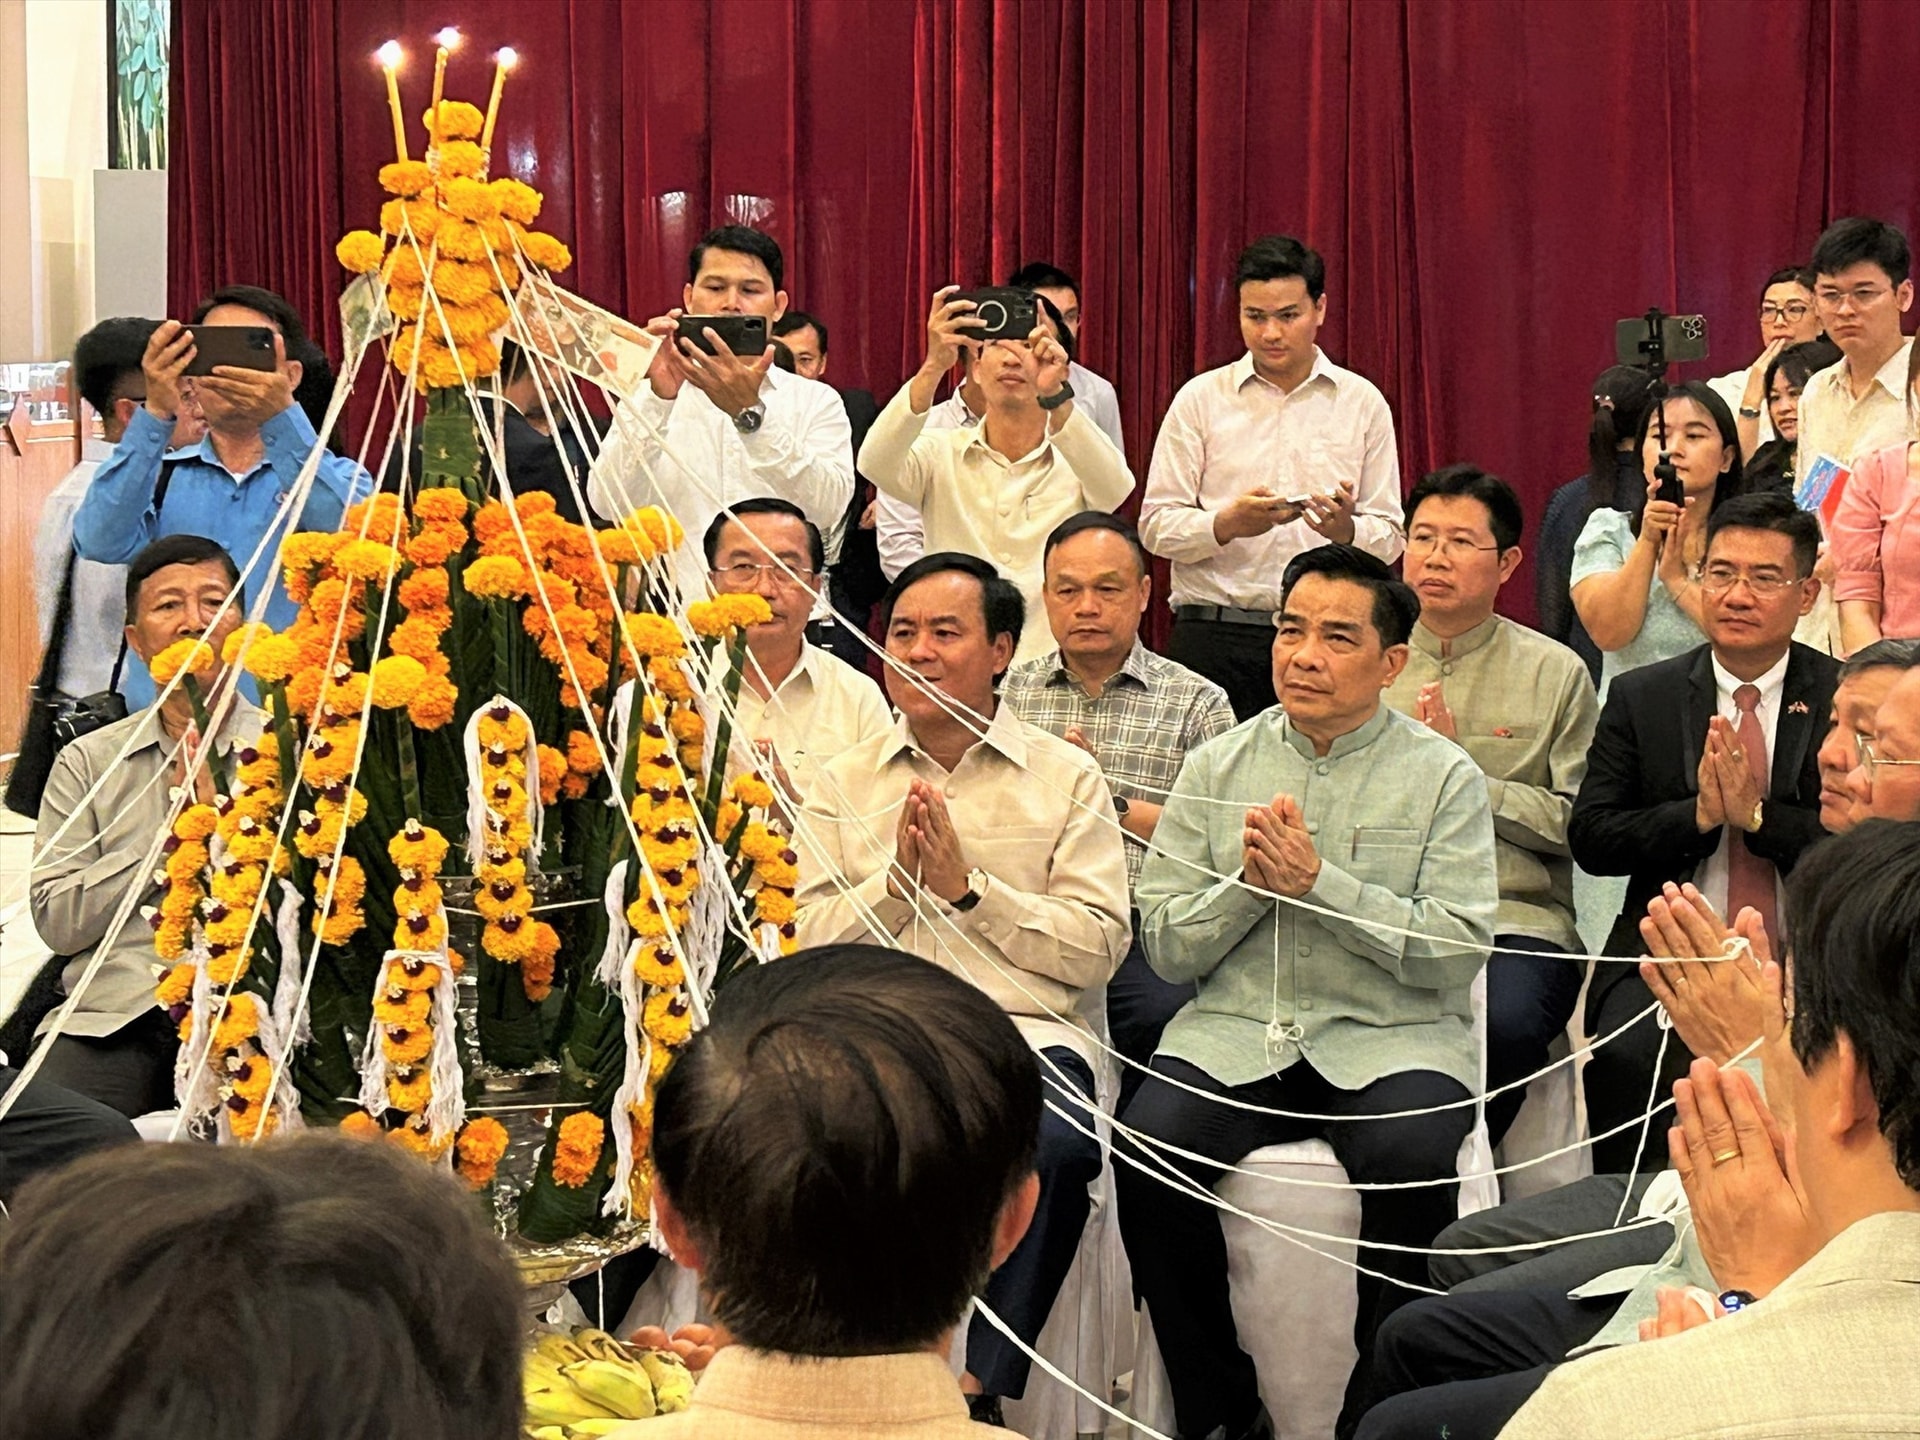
(553, 770)
(624, 547)
(369, 560)
(272, 658)
(360, 251)
(404, 1047)
(434, 544)
(421, 217)
(545, 251)
(413, 1090)
(176, 986)
(470, 199)
(441, 505)
(425, 590)
(517, 200)
(419, 848)
(406, 178)
(194, 656)
(461, 157)
(241, 1022)
(459, 282)
(404, 269)
(658, 966)
(361, 1126)
(478, 1149)
(396, 680)
(419, 635)
(583, 754)
(774, 905)
(668, 1018)
(496, 577)
(458, 121)
(576, 1153)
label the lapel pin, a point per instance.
(1798, 707)
(1501, 732)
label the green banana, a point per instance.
(599, 1345)
(565, 1407)
(672, 1381)
(620, 1385)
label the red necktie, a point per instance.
(1750, 879)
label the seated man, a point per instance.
(1726, 794)
(1812, 1224)
(839, 1270)
(297, 1261)
(1371, 815)
(985, 845)
(1867, 679)
(995, 490)
(1135, 712)
(1523, 707)
(797, 702)
(229, 487)
(115, 1046)
(1886, 783)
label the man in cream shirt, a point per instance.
(989, 847)
(798, 704)
(995, 490)
(1862, 286)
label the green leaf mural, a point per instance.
(139, 84)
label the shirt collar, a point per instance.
(977, 438)
(1002, 734)
(1241, 371)
(1137, 667)
(849, 1393)
(803, 671)
(1346, 744)
(1770, 684)
(1428, 643)
(1892, 376)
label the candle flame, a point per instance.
(448, 39)
(389, 54)
(508, 57)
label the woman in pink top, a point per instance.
(1876, 537)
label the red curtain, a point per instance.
(1493, 182)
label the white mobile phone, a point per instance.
(1298, 499)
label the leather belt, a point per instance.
(1224, 615)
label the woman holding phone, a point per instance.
(1634, 577)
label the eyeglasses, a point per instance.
(1425, 542)
(1870, 762)
(1795, 310)
(1861, 296)
(1717, 581)
(746, 574)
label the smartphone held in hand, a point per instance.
(744, 335)
(243, 347)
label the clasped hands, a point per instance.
(1277, 852)
(1728, 792)
(927, 846)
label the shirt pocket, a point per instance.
(1021, 855)
(1388, 857)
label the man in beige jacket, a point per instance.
(1813, 1224)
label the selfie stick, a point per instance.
(1654, 347)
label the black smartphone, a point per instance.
(744, 335)
(1671, 489)
(1000, 313)
(1682, 337)
(244, 347)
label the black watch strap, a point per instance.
(1059, 397)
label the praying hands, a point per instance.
(1279, 854)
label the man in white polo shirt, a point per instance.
(1274, 454)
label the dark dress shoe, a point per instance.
(985, 1410)
(1260, 1429)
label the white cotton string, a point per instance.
(447, 1110)
(982, 1309)
(288, 1017)
(633, 1085)
(1646, 1124)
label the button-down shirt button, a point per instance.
(1313, 827)
(1305, 949)
(1306, 1004)
(1446, 669)
(1320, 769)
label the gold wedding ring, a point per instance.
(1725, 1156)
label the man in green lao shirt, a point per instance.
(1336, 802)
(1524, 708)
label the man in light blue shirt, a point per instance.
(1334, 961)
(232, 486)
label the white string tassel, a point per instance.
(448, 1107)
(476, 790)
(194, 1084)
(289, 1017)
(373, 1059)
(633, 1084)
(284, 1097)
(613, 955)
(706, 928)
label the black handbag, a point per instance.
(54, 720)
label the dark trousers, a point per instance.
(1238, 658)
(1619, 1078)
(1022, 1291)
(48, 1126)
(1461, 1365)
(1580, 1208)
(1530, 998)
(1174, 1241)
(130, 1070)
(1139, 1005)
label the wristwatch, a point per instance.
(976, 887)
(1749, 412)
(1753, 821)
(749, 419)
(1121, 806)
(1058, 398)
(1732, 1300)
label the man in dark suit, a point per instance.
(1704, 768)
(854, 579)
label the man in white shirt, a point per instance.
(106, 364)
(998, 489)
(1062, 291)
(1787, 317)
(710, 430)
(797, 704)
(987, 846)
(1861, 289)
(1274, 454)
(899, 533)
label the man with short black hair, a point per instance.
(840, 1270)
(1523, 707)
(1312, 1011)
(1135, 712)
(712, 429)
(231, 486)
(1726, 795)
(106, 800)
(1787, 317)
(106, 367)
(1062, 291)
(798, 705)
(1259, 460)
(298, 1259)
(1862, 285)
(985, 845)
(997, 489)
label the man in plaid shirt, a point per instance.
(1135, 712)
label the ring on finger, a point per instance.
(1724, 1156)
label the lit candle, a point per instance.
(389, 57)
(447, 40)
(502, 62)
